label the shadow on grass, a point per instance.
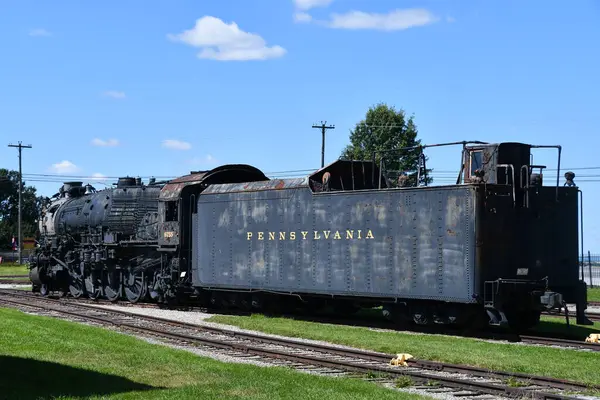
(558, 328)
(25, 378)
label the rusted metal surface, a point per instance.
(275, 184)
(172, 190)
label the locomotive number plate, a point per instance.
(169, 234)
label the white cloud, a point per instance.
(176, 144)
(64, 166)
(97, 176)
(39, 32)
(114, 94)
(105, 143)
(394, 20)
(226, 42)
(302, 17)
(308, 4)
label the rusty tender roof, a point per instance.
(274, 184)
(172, 190)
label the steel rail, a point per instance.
(511, 338)
(593, 316)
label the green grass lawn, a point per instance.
(13, 278)
(559, 363)
(13, 269)
(41, 356)
(593, 294)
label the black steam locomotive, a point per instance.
(497, 247)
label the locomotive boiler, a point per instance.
(98, 243)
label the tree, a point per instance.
(9, 208)
(385, 131)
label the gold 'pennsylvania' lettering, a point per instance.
(349, 234)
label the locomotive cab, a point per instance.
(178, 219)
(503, 163)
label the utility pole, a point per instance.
(323, 128)
(20, 240)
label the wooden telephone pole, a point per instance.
(323, 128)
(20, 239)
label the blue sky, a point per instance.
(98, 87)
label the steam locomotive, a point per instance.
(497, 247)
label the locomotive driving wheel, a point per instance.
(44, 289)
(76, 285)
(112, 284)
(135, 284)
(93, 285)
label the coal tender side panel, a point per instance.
(246, 239)
(404, 243)
(241, 258)
(458, 244)
(206, 225)
(442, 256)
(220, 225)
(259, 240)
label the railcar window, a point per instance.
(475, 161)
(171, 211)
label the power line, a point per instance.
(444, 179)
(323, 129)
(58, 177)
(438, 175)
(20, 235)
(308, 170)
(91, 176)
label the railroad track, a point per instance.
(457, 380)
(594, 317)
(548, 340)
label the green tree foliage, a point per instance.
(9, 208)
(385, 131)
